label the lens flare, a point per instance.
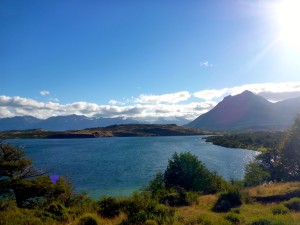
(288, 18)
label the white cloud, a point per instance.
(165, 98)
(113, 102)
(269, 90)
(210, 94)
(167, 105)
(17, 106)
(205, 64)
(44, 92)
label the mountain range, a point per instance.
(242, 112)
(77, 122)
(248, 112)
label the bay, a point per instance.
(120, 166)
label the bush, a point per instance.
(88, 219)
(19, 217)
(236, 210)
(7, 204)
(150, 222)
(233, 218)
(140, 207)
(202, 220)
(264, 221)
(179, 197)
(228, 199)
(293, 204)
(58, 211)
(280, 210)
(184, 170)
(157, 187)
(109, 207)
(254, 175)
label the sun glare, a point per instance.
(289, 22)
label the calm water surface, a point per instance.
(119, 166)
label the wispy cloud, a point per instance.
(165, 98)
(205, 64)
(44, 92)
(112, 102)
(272, 91)
(210, 94)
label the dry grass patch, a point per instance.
(113, 221)
(296, 217)
(274, 189)
(206, 201)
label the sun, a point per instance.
(288, 16)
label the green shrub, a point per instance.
(247, 199)
(179, 197)
(236, 210)
(140, 207)
(266, 221)
(262, 221)
(109, 207)
(7, 204)
(150, 222)
(280, 210)
(255, 175)
(186, 171)
(58, 211)
(293, 204)
(18, 217)
(228, 199)
(156, 186)
(88, 219)
(201, 220)
(233, 218)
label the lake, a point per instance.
(119, 166)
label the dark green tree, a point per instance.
(255, 175)
(290, 152)
(28, 186)
(185, 171)
(157, 186)
(278, 164)
(14, 167)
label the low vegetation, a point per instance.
(259, 141)
(186, 193)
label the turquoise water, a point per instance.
(119, 166)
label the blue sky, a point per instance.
(108, 57)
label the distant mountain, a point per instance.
(165, 120)
(248, 111)
(19, 123)
(78, 122)
(60, 123)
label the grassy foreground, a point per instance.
(254, 208)
(263, 205)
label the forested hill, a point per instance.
(127, 130)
